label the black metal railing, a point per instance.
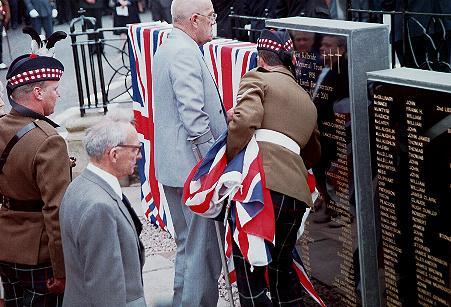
(419, 39)
(96, 60)
(249, 33)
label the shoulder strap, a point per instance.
(13, 141)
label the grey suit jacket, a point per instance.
(101, 247)
(187, 107)
(43, 7)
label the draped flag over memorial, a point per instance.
(144, 41)
(227, 59)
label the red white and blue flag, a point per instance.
(227, 57)
(228, 61)
(242, 182)
(144, 41)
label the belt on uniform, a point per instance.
(35, 205)
(275, 137)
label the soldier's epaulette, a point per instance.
(46, 127)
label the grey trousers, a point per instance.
(197, 262)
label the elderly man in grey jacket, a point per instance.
(188, 117)
(42, 13)
(99, 229)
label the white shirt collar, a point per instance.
(107, 177)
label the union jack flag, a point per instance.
(241, 180)
(144, 41)
(227, 59)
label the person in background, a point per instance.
(306, 8)
(161, 10)
(15, 13)
(307, 58)
(99, 228)
(288, 148)
(4, 21)
(125, 12)
(224, 25)
(258, 8)
(94, 8)
(67, 10)
(188, 116)
(34, 174)
(42, 13)
(420, 51)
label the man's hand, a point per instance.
(91, 1)
(56, 285)
(54, 13)
(230, 114)
(33, 13)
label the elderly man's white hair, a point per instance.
(106, 134)
(181, 10)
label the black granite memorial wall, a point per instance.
(332, 58)
(322, 70)
(411, 134)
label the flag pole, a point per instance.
(198, 156)
(224, 263)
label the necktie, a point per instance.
(133, 214)
(139, 228)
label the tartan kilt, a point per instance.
(26, 285)
(283, 285)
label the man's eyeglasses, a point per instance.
(212, 17)
(137, 147)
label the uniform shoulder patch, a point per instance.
(46, 127)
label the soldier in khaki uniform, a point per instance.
(279, 112)
(34, 174)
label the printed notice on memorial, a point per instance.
(411, 131)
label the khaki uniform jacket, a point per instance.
(273, 100)
(37, 168)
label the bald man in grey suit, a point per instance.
(188, 117)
